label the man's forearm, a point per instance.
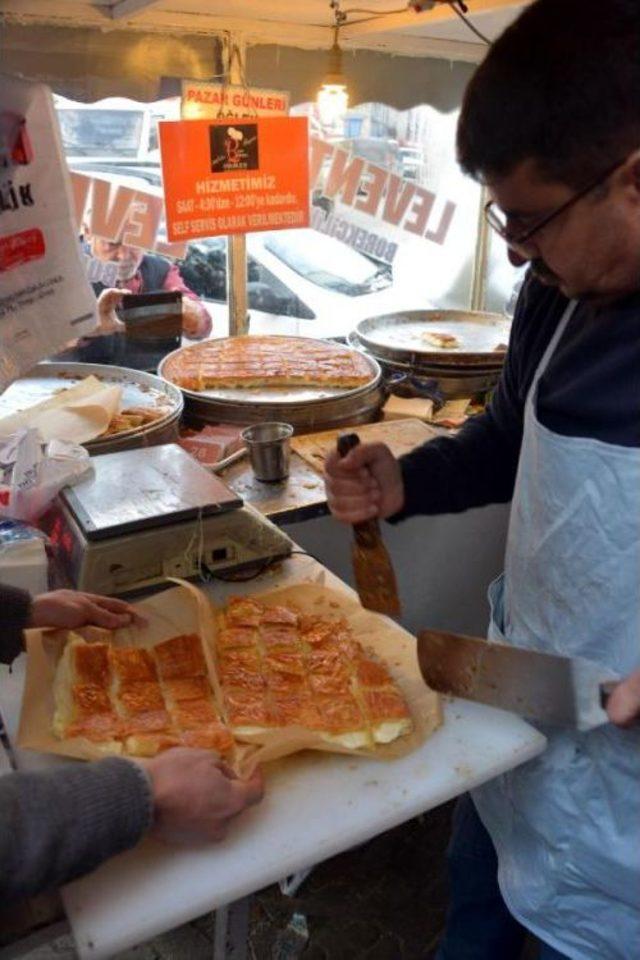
(60, 824)
(452, 474)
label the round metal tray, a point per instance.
(425, 368)
(139, 389)
(398, 336)
(305, 408)
(450, 384)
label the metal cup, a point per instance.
(268, 445)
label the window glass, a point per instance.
(503, 281)
(270, 295)
(204, 270)
(91, 133)
(393, 220)
(387, 185)
(315, 257)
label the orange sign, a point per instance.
(234, 176)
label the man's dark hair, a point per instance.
(560, 86)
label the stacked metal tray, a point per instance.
(305, 408)
(139, 389)
(397, 342)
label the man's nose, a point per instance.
(516, 259)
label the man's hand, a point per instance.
(366, 483)
(196, 795)
(108, 321)
(623, 706)
(70, 609)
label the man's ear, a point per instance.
(631, 173)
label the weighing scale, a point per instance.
(152, 513)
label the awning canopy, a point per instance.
(86, 64)
(435, 31)
(90, 49)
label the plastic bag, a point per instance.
(33, 473)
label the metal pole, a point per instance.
(234, 51)
(481, 258)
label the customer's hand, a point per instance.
(623, 706)
(108, 321)
(196, 795)
(71, 609)
(196, 322)
(366, 483)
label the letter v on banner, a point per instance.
(109, 209)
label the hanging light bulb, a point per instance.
(333, 97)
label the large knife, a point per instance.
(554, 690)
(372, 569)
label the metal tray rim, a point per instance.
(416, 355)
(204, 397)
(428, 369)
(102, 371)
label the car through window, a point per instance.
(313, 256)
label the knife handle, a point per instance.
(367, 533)
(346, 443)
(606, 689)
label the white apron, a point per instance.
(566, 826)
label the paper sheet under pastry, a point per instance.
(79, 414)
(186, 609)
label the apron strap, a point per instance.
(551, 347)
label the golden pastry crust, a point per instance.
(91, 663)
(385, 704)
(370, 673)
(187, 688)
(266, 361)
(126, 708)
(443, 341)
(193, 714)
(304, 671)
(131, 663)
(180, 656)
(140, 696)
(275, 669)
(237, 637)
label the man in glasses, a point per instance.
(551, 124)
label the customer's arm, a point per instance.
(60, 824)
(60, 608)
(57, 824)
(16, 609)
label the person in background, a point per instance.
(550, 124)
(59, 824)
(137, 272)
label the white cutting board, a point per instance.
(315, 807)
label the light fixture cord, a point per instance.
(458, 6)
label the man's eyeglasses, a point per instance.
(499, 221)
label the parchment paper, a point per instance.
(178, 610)
(401, 437)
(78, 414)
(387, 642)
(185, 609)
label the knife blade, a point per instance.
(554, 690)
(372, 568)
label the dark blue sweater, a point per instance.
(591, 388)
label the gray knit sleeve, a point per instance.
(59, 824)
(16, 607)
